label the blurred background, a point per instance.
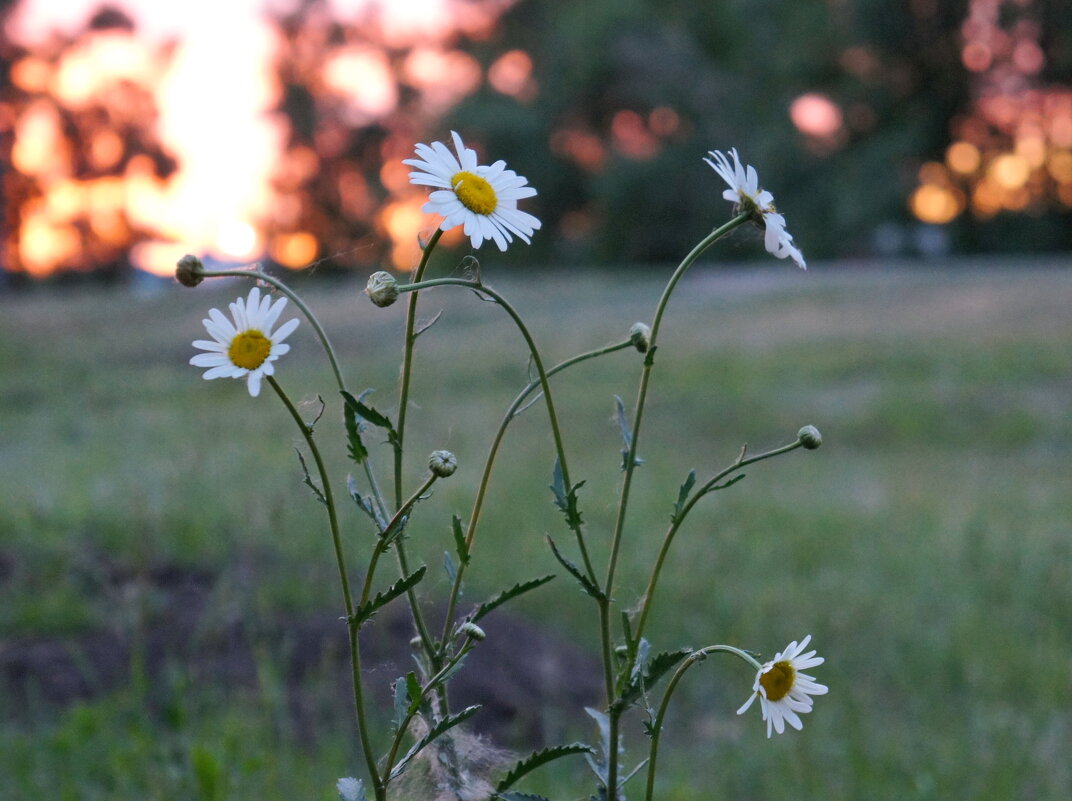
(131, 132)
(168, 604)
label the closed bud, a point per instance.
(189, 271)
(472, 630)
(640, 337)
(442, 463)
(810, 437)
(382, 288)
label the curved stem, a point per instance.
(355, 650)
(290, 293)
(638, 412)
(657, 725)
(324, 342)
(708, 487)
(537, 363)
(400, 430)
(489, 463)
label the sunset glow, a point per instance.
(177, 119)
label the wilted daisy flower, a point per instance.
(481, 198)
(247, 347)
(784, 692)
(744, 191)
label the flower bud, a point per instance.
(442, 463)
(472, 630)
(189, 271)
(382, 288)
(640, 337)
(810, 437)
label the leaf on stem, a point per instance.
(438, 729)
(357, 409)
(566, 497)
(586, 583)
(538, 758)
(364, 502)
(509, 594)
(308, 481)
(449, 567)
(459, 540)
(683, 496)
(366, 610)
(641, 681)
(355, 448)
(423, 326)
(627, 434)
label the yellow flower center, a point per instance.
(249, 349)
(475, 193)
(778, 681)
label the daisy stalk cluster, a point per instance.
(425, 751)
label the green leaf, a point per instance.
(355, 448)
(642, 680)
(448, 566)
(538, 758)
(402, 702)
(364, 502)
(729, 483)
(369, 608)
(520, 797)
(444, 725)
(566, 497)
(365, 412)
(459, 540)
(627, 433)
(683, 496)
(308, 481)
(507, 595)
(586, 583)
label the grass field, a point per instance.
(927, 546)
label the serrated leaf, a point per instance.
(640, 682)
(364, 502)
(402, 702)
(566, 497)
(643, 649)
(355, 448)
(538, 758)
(443, 726)
(683, 496)
(586, 583)
(371, 415)
(509, 594)
(366, 610)
(459, 540)
(308, 481)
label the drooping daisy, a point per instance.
(482, 198)
(784, 692)
(247, 347)
(745, 193)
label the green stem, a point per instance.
(657, 725)
(537, 363)
(324, 342)
(485, 478)
(630, 468)
(355, 651)
(708, 487)
(400, 430)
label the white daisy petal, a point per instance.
(745, 193)
(482, 199)
(784, 692)
(244, 347)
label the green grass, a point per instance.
(926, 545)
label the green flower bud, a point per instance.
(382, 288)
(640, 336)
(442, 463)
(472, 630)
(810, 437)
(189, 271)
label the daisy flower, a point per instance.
(744, 191)
(481, 198)
(247, 347)
(784, 692)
